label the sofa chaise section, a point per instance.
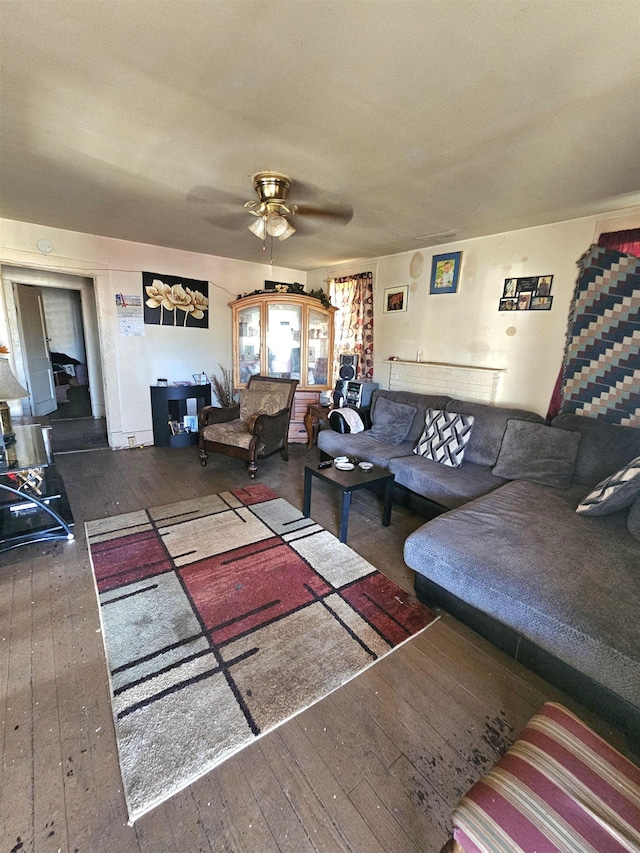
(558, 590)
(520, 555)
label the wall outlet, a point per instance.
(132, 440)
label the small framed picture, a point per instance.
(445, 273)
(396, 298)
(544, 285)
(541, 303)
(510, 288)
(524, 300)
(508, 305)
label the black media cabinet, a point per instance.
(169, 403)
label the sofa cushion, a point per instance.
(490, 423)
(614, 493)
(604, 447)
(232, 432)
(633, 519)
(449, 487)
(362, 446)
(567, 582)
(391, 421)
(421, 402)
(537, 452)
(445, 437)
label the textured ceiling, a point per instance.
(146, 120)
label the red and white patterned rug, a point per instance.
(223, 617)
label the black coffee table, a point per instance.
(376, 480)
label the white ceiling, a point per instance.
(145, 119)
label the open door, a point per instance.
(35, 347)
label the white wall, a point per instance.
(466, 328)
(132, 364)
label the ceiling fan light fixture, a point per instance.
(259, 228)
(276, 224)
(289, 231)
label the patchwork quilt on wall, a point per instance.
(601, 373)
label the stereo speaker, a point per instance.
(348, 366)
(340, 393)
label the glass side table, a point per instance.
(33, 502)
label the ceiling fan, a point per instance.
(272, 208)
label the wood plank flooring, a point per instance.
(375, 767)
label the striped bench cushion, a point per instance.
(559, 788)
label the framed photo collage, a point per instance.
(527, 294)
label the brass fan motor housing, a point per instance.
(271, 186)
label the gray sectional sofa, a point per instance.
(507, 553)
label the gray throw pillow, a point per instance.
(633, 519)
(615, 492)
(391, 421)
(445, 437)
(537, 452)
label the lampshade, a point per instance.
(258, 228)
(10, 388)
(276, 224)
(288, 232)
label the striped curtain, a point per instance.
(353, 321)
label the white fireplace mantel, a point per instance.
(455, 380)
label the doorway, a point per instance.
(58, 360)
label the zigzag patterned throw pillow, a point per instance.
(615, 492)
(445, 437)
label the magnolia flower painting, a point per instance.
(174, 301)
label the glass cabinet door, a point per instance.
(283, 340)
(318, 351)
(248, 343)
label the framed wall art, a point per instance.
(170, 300)
(396, 298)
(527, 294)
(445, 273)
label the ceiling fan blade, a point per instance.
(341, 214)
(309, 200)
(218, 207)
(229, 221)
(204, 195)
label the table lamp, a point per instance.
(10, 389)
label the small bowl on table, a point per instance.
(342, 463)
(366, 466)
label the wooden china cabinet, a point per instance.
(286, 335)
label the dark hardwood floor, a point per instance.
(375, 767)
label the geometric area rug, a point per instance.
(222, 617)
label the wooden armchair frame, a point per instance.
(269, 433)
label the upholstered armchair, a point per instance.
(256, 427)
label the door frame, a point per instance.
(63, 279)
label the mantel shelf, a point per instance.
(444, 364)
